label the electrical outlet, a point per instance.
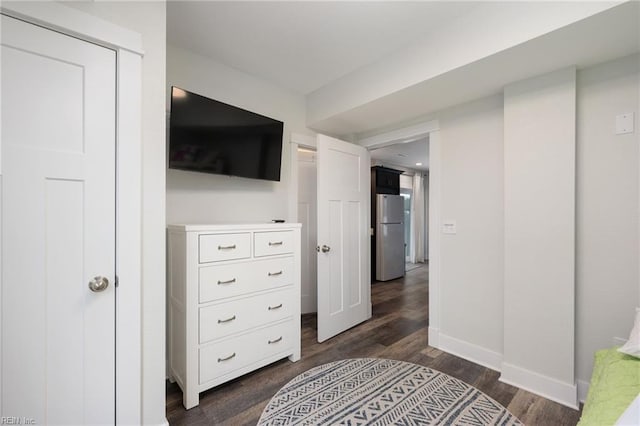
(619, 341)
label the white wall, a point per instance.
(472, 260)
(607, 209)
(606, 224)
(203, 198)
(539, 200)
(149, 20)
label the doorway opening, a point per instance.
(304, 175)
(411, 157)
(306, 214)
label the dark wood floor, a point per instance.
(397, 330)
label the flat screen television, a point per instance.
(209, 136)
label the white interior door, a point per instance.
(344, 290)
(307, 210)
(58, 227)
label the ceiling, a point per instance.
(329, 51)
(405, 154)
(603, 37)
(302, 46)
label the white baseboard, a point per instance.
(471, 352)
(547, 387)
(550, 388)
(583, 390)
(434, 337)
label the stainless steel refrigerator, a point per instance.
(390, 258)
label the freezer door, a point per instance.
(390, 251)
(390, 208)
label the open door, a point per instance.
(344, 289)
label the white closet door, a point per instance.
(58, 227)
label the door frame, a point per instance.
(432, 129)
(128, 47)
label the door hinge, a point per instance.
(117, 282)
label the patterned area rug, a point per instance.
(371, 391)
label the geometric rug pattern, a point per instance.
(371, 391)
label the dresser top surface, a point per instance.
(233, 227)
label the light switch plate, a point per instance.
(624, 123)
(449, 227)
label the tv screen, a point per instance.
(212, 137)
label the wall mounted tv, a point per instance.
(212, 137)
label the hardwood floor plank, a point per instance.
(248, 417)
(398, 330)
(406, 347)
(534, 410)
(488, 383)
(459, 368)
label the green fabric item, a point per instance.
(615, 383)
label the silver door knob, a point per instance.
(98, 284)
(326, 249)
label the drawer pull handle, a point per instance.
(271, 342)
(227, 247)
(273, 308)
(275, 243)
(233, 280)
(226, 320)
(274, 274)
(227, 358)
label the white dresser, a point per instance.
(233, 301)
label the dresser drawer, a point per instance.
(271, 243)
(217, 247)
(224, 357)
(224, 319)
(223, 281)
